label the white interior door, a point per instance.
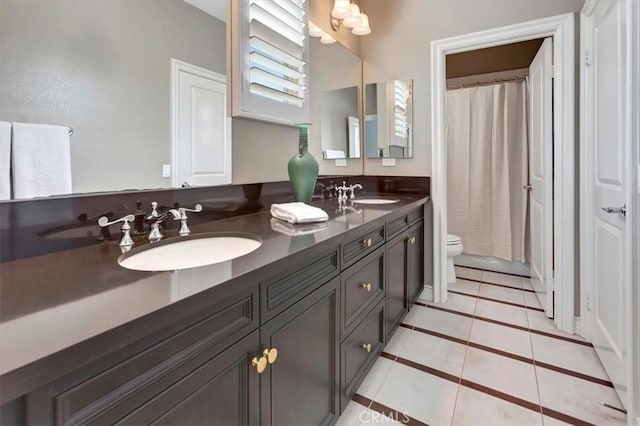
(607, 141)
(202, 131)
(541, 174)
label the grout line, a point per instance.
(489, 391)
(388, 412)
(504, 302)
(506, 324)
(498, 285)
(495, 272)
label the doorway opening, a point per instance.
(560, 29)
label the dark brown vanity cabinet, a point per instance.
(415, 261)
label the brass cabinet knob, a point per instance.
(271, 355)
(367, 242)
(259, 363)
(412, 240)
(367, 286)
(366, 347)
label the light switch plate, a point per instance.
(388, 162)
(166, 170)
(341, 162)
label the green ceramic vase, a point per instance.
(303, 168)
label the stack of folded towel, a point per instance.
(296, 230)
(298, 212)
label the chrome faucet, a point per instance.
(156, 219)
(126, 240)
(352, 188)
(184, 229)
(347, 192)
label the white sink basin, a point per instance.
(190, 252)
(374, 201)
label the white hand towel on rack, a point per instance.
(298, 212)
(41, 160)
(5, 160)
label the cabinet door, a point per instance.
(223, 391)
(415, 280)
(397, 250)
(302, 386)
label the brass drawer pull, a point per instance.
(271, 355)
(367, 286)
(367, 347)
(412, 240)
(367, 242)
(259, 363)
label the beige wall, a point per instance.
(399, 48)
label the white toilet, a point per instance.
(454, 248)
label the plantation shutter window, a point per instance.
(271, 60)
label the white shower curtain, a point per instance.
(487, 166)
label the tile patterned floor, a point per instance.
(489, 356)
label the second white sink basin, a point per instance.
(190, 252)
(374, 200)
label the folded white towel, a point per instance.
(294, 230)
(298, 212)
(41, 160)
(5, 160)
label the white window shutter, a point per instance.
(269, 60)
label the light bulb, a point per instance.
(354, 19)
(363, 28)
(341, 9)
(314, 30)
(327, 39)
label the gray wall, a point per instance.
(399, 48)
(103, 68)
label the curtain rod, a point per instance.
(487, 83)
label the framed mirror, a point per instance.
(335, 93)
(103, 68)
(388, 123)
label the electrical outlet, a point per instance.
(388, 162)
(341, 162)
(166, 170)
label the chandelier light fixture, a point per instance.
(347, 13)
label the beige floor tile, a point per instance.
(422, 396)
(501, 293)
(503, 279)
(531, 299)
(578, 398)
(501, 373)
(435, 352)
(500, 337)
(476, 408)
(352, 415)
(371, 384)
(439, 321)
(501, 312)
(464, 286)
(459, 303)
(539, 321)
(472, 274)
(572, 356)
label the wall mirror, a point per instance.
(388, 123)
(334, 100)
(103, 68)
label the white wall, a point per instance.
(399, 48)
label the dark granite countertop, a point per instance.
(50, 303)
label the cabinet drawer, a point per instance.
(362, 284)
(361, 246)
(121, 390)
(396, 226)
(415, 215)
(356, 359)
(285, 289)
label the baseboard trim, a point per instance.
(427, 294)
(577, 327)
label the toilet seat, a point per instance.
(453, 240)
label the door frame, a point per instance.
(633, 196)
(178, 66)
(561, 29)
